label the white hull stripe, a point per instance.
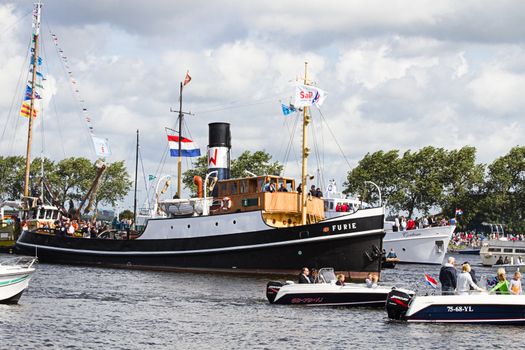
(447, 236)
(480, 320)
(203, 251)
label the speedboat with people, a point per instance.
(15, 274)
(327, 293)
(477, 307)
(416, 246)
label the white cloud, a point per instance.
(400, 75)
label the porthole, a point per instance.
(172, 227)
(234, 222)
(216, 224)
(404, 250)
(189, 225)
(299, 253)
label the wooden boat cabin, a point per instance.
(275, 196)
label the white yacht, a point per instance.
(501, 250)
(418, 246)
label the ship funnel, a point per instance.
(219, 145)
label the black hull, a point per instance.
(270, 251)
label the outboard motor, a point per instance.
(397, 303)
(272, 288)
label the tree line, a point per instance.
(69, 179)
(438, 180)
(430, 180)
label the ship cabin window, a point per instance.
(244, 186)
(49, 214)
(507, 250)
(328, 205)
(495, 250)
(233, 187)
(222, 189)
(518, 250)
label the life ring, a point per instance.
(330, 187)
(226, 203)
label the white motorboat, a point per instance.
(15, 274)
(474, 308)
(418, 246)
(327, 292)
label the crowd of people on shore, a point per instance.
(66, 227)
(463, 282)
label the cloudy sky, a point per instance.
(399, 74)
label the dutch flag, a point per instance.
(430, 281)
(459, 212)
(188, 147)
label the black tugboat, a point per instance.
(242, 227)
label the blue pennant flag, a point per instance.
(287, 109)
(39, 60)
(28, 94)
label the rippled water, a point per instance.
(69, 307)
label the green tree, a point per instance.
(505, 190)
(380, 167)
(463, 182)
(114, 185)
(12, 172)
(72, 178)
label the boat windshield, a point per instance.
(327, 275)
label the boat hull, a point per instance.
(351, 245)
(419, 246)
(330, 295)
(473, 308)
(12, 285)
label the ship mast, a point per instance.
(36, 33)
(306, 151)
(179, 161)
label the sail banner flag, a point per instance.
(187, 79)
(188, 147)
(431, 281)
(25, 111)
(151, 177)
(101, 146)
(306, 96)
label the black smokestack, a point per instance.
(219, 145)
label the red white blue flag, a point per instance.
(430, 281)
(459, 212)
(188, 147)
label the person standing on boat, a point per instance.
(448, 277)
(503, 286)
(403, 224)
(304, 277)
(465, 282)
(515, 284)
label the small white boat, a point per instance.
(15, 274)
(417, 246)
(327, 292)
(474, 308)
